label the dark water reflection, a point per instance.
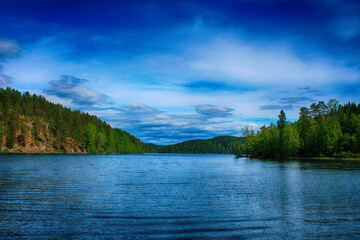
(157, 196)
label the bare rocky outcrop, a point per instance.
(29, 139)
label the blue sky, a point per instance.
(169, 71)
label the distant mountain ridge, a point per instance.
(216, 145)
(31, 124)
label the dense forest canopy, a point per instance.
(216, 145)
(322, 130)
(32, 120)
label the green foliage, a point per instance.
(291, 141)
(89, 132)
(90, 138)
(10, 137)
(216, 145)
(152, 148)
(331, 130)
(11, 127)
(244, 147)
(2, 132)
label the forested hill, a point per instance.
(216, 145)
(322, 130)
(31, 124)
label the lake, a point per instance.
(177, 196)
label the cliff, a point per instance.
(31, 139)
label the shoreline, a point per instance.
(285, 159)
(43, 153)
(306, 158)
(326, 158)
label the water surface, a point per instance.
(177, 196)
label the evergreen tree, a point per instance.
(90, 138)
(281, 123)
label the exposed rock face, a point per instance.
(39, 140)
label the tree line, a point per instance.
(216, 145)
(322, 130)
(89, 132)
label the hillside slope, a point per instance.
(216, 145)
(31, 124)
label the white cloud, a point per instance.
(213, 111)
(238, 62)
(138, 108)
(68, 87)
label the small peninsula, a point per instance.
(322, 130)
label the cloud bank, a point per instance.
(153, 125)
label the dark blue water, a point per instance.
(160, 196)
